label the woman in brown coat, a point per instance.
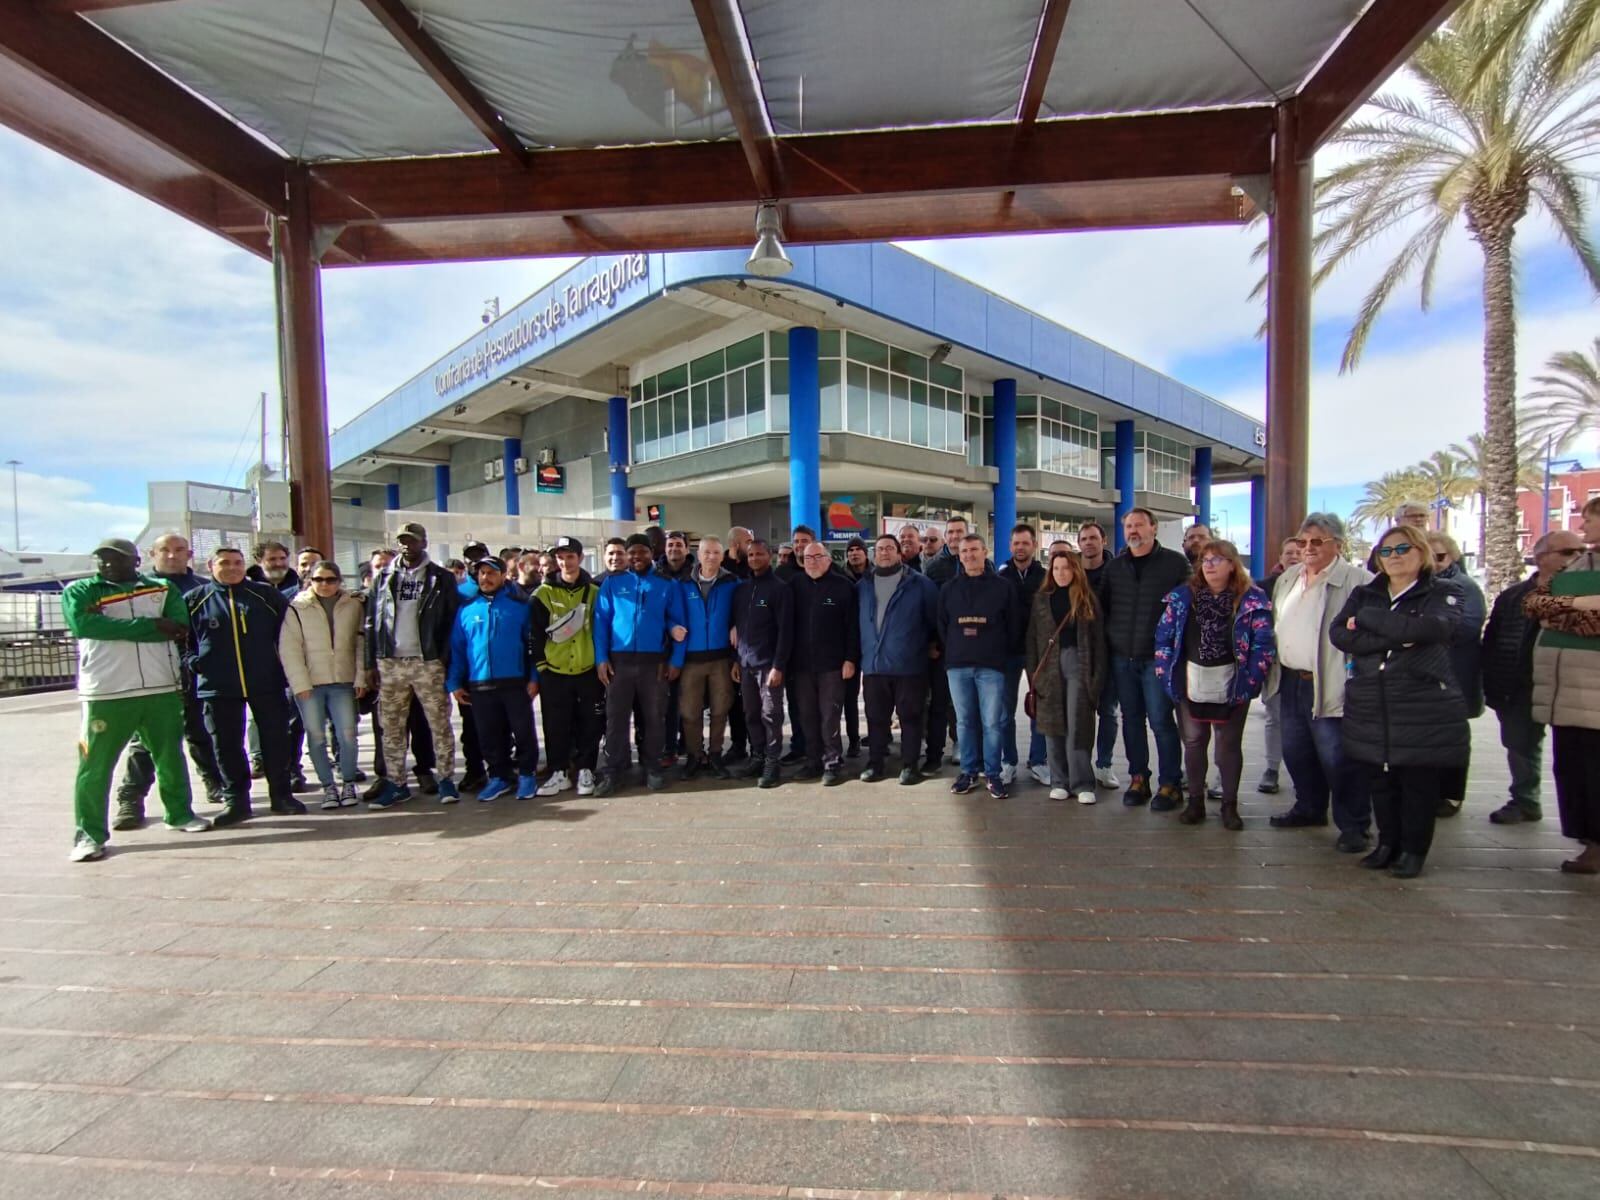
(1066, 660)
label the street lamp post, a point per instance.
(16, 516)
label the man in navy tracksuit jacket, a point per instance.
(898, 612)
(638, 649)
(491, 674)
(826, 653)
(763, 633)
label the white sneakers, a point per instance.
(1059, 793)
(192, 825)
(1008, 774)
(585, 783)
(1106, 778)
(1085, 797)
(85, 849)
(1041, 775)
(557, 783)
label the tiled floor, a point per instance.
(836, 993)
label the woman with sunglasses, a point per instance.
(1466, 652)
(1066, 658)
(320, 647)
(1566, 689)
(1405, 719)
(1214, 647)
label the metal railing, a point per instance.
(37, 653)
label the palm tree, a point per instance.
(1471, 453)
(1574, 34)
(1503, 125)
(1384, 496)
(1565, 407)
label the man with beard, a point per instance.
(898, 613)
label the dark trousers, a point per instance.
(472, 754)
(941, 719)
(797, 735)
(763, 713)
(574, 712)
(738, 731)
(635, 680)
(225, 722)
(504, 716)
(1523, 739)
(672, 741)
(821, 696)
(139, 774)
(422, 752)
(1405, 801)
(852, 708)
(887, 695)
(1577, 770)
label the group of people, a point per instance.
(1369, 675)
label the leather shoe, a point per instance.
(910, 776)
(1230, 816)
(1447, 808)
(1351, 842)
(1380, 858)
(873, 775)
(1294, 819)
(1512, 813)
(1576, 866)
(1407, 866)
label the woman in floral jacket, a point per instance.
(1214, 645)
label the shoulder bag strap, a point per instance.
(1045, 657)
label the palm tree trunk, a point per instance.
(1483, 528)
(1503, 558)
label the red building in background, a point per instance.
(1569, 492)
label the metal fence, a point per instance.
(37, 653)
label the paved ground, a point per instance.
(837, 994)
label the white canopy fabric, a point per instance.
(323, 80)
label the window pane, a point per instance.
(919, 415)
(650, 388)
(832, 393)
(1050, 408)
(865, 350)
(755, 401)
(828, 343)
(878, 413)
(699, 419)
(778, 340)
(735, 385)
(947, 376)
(636, 428)
(671, 381)
(908, 363)
(1027, 406)
(704, 368)
(1027, 443)
(680, 423)
(718, 405)
(856, 397)
(647, 431)
(742, 354)
(778, 394)
(636, 395)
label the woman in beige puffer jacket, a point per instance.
(320, 647)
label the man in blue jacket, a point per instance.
(763, 633)
(708, 659)
(638, 649)
(492, 676)
(898, 611)
(234, 624)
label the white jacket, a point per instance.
(106, 617)
(1344, 577)
(310, 657)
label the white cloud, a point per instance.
(60, 513)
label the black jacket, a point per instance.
(763, 621)
(1402, 705)
(1508, 648)
(664, 569)
(436, 613)
(944, 566)
(1466, 646)
(735, 566)
(827, 631)
(982, 622)
(1134, 600)
(1026, 582)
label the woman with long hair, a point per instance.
(1214, 646)
(1405, 718)
(1066, 660)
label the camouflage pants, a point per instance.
(398, 680)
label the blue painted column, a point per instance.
(617, 441)
(512, 452)
(1202, 485)
(1004, 508)
(805, 429)
(441, 487)
(391, 496)
(1124, 480)
(1258, 525)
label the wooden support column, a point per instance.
(299, 274)
(1288, 332)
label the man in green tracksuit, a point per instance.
(128, 628)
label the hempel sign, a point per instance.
(601, 288)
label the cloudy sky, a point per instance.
(134, 346)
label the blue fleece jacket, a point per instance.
(489, 643)
(634, 614)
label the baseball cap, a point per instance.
(120, 546)
(488, 560)
(569, 544)
(473, 550)
(412, 529)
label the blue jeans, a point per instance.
(334, 702)
(1313, 750)
(1016, 672)
(978, 694)
(1144, 702)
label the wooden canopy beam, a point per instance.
(416, 41)
(722, 28)
(1052, 19)
(1387, 34)
(94, 70)
(89, 6)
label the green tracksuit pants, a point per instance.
(107, 727)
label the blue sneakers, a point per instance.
(492, 790)
(527, 787)
(390, 794)
(448, 793)
(962, 785)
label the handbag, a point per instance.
(1030, 702)
(1210, 685)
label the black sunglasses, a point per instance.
(326, 579)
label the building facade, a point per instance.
(1569, 491)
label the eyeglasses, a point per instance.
(326, 579)
(1315, 543)
(1402, 548)
(1573, 553)
(930, 538)
(1213, 560)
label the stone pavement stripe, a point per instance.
(809, 1056)
(820, 1115)
(829, 968)
(1205, 1014)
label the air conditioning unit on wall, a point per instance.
(488, 472)
(520, 466)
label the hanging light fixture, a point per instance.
(768, 259)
